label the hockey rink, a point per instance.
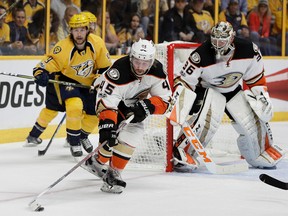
(148, 193)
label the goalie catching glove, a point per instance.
(41, 76)
(107, 132)
(260, 102)
(141, 110)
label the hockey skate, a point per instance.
(32, 141)
(184, 162)
(94, 167)
(113, 182)
(86, 145)
(76, 150)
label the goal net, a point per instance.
(156, 150)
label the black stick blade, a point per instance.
(41, 152)
(273, 182)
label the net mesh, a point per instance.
(153, 152)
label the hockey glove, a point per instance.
(41, 76)
(107, 132)
(260, 102)
(141, 110)
(125, 110)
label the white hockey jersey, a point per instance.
(244, 63)
(120, 84)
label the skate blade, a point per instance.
(116, 189)
(30, 144)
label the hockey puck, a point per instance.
(39, 209)
(36, 206)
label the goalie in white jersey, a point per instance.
(134, 84)
(215, 71)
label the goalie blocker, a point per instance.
(255, 140)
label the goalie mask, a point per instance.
(222, 36)
(142, 57)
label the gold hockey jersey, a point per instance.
(78, 65)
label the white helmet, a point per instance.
(143, 51)
(222, 36)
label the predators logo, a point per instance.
(84, 69)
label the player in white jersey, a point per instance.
(215, 71)
(135, 84)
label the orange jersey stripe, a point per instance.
(160, 105)
(108, 114)
(256, 81)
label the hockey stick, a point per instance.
(177, 102)
(9, 9)
(36, 206)
(42, 152)
(50, 80)
(273, 181)
(235, 167)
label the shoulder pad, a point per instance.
(157, 70)
(244, 49)
(204, 55)
(120, 72)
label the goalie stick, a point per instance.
(234, 167)
(35, 206)
(43, 152)
(273, 182)
(173, 115)
(50, 80)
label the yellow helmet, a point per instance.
(79, 20)
(91, 16)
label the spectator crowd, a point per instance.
(23, 29)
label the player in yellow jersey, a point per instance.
(79, 58)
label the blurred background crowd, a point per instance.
(24, 27)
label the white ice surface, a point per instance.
(24, 175)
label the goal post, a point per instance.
(172, 55)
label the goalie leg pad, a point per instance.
(205, 120)
(255, 140)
